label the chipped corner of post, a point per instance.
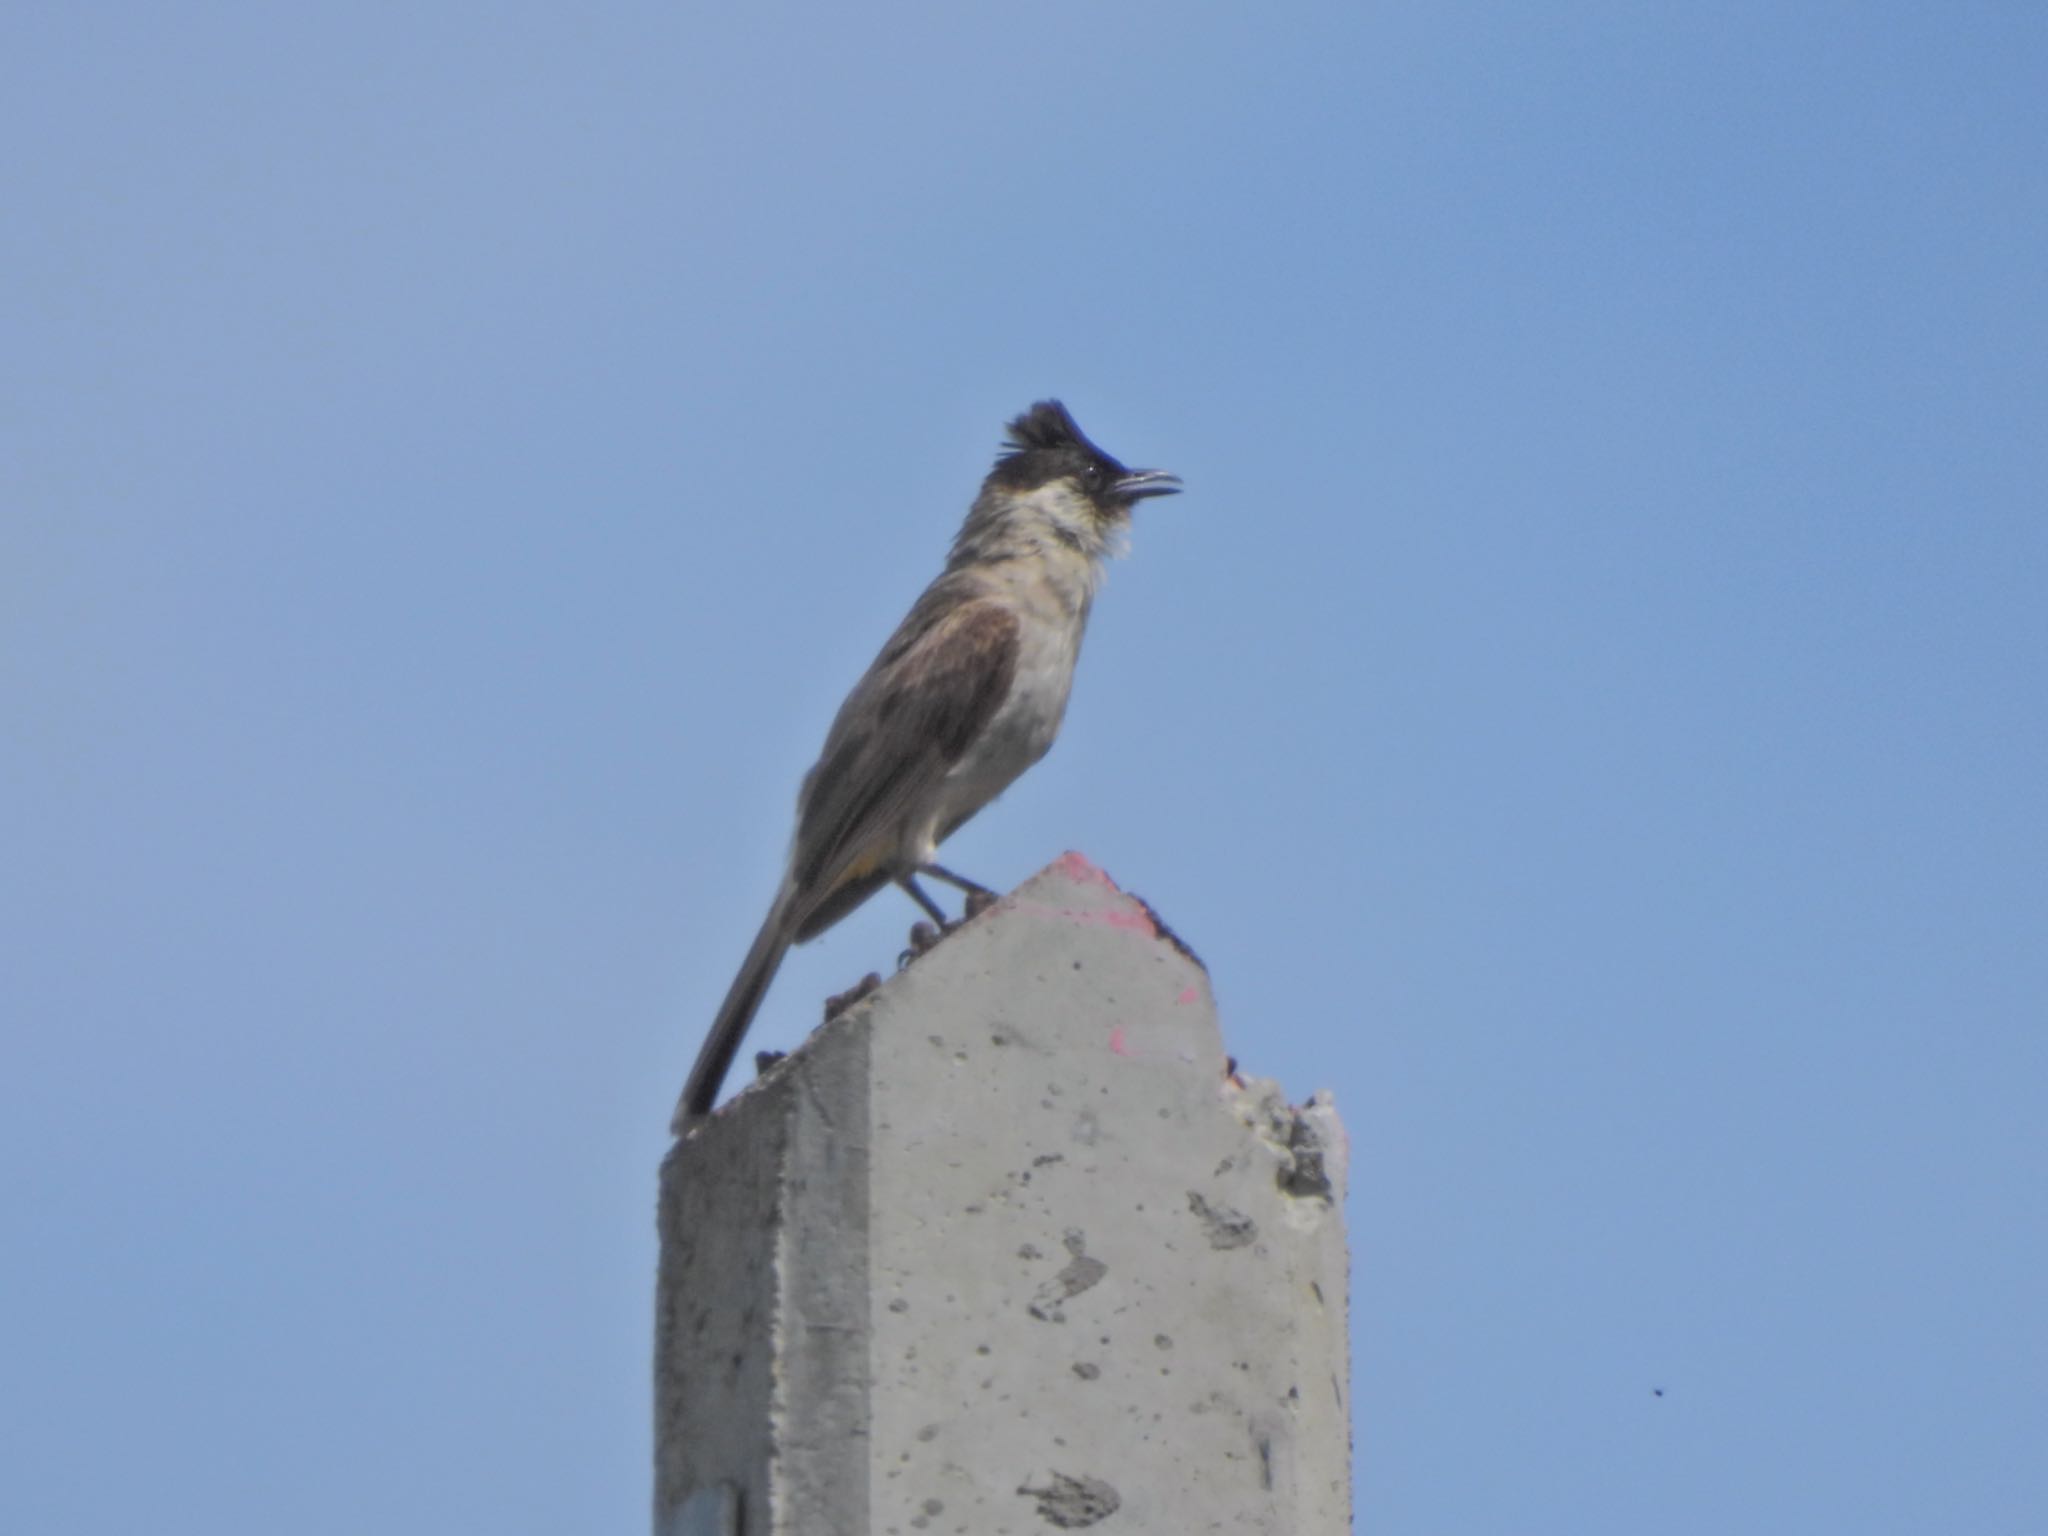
(1311, 1150)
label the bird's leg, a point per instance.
(938, 872)
(923, 936)
(979, 897)
(916, 893)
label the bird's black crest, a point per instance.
(1045, 441)
(1048, 425)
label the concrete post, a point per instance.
(1004, 1249)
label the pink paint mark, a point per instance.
(1102, 917)
(1189, 995)
(1116, 1041)
(1077, 869)
(1118, 917)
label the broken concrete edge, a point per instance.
(1308, 1140)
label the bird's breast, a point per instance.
(1023, 726)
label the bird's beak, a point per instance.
(1140, 483)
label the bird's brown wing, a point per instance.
(932, 691)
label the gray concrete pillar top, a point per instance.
(1006, 1248)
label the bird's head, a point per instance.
(1050, 459)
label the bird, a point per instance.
(964, 696)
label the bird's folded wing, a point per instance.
(932, 692)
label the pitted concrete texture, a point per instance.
(760, 1358)
(1007, 1236)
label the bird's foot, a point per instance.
(924, 937)
(978, 902)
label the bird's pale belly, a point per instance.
(1018, 736)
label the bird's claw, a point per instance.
(923, 938)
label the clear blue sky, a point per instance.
(1590, 708)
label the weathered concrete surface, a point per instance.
(1003, 1249)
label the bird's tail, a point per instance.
(734, 1015)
